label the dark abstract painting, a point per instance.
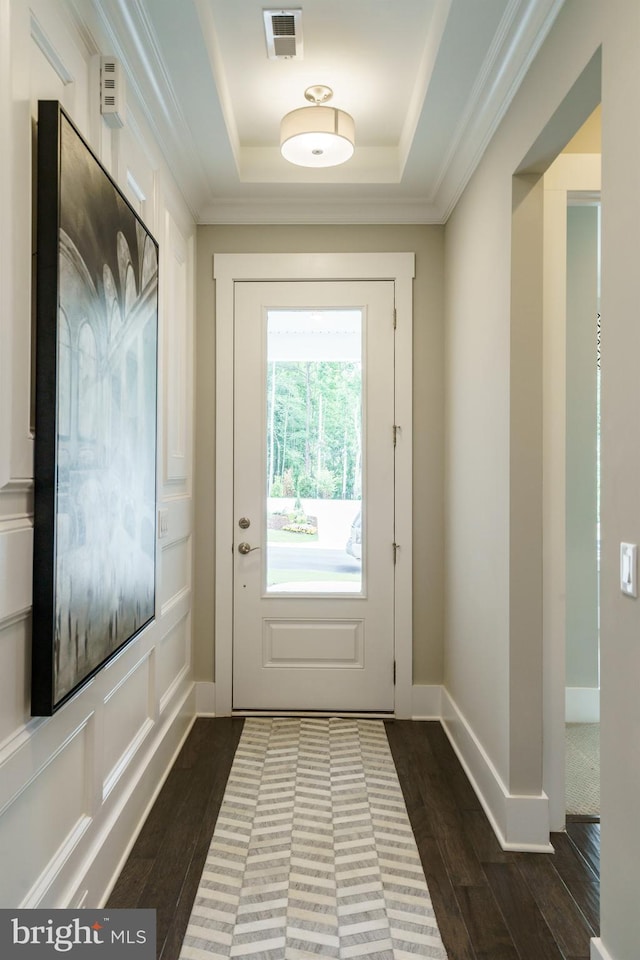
(96, 387)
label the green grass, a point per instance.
(286, 536)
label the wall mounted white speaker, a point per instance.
(112, 92)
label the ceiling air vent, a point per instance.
(283, 29)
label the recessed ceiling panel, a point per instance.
(426, 81)
(369, 53)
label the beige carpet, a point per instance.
(583, 769)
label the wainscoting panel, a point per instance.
(36, 832)
(16, 551)
(75, 787)
(127, 720)
(173, 658)
(176, 572)
(15, 638)
(177, 341)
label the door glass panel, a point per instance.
(314, 456)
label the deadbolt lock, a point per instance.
(244, 523)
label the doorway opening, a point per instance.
(232, 273)
(571, 470)
(551, 171)
(582, 649)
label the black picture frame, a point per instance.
(94, 570)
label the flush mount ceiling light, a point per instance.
(317, 136)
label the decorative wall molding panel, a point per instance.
(128, 718)
(173, 661)
(176, 571)
(178, 340)
(16, 551)
(75, 787)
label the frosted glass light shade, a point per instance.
(317, 136)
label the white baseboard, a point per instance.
(582, 705)
(519, 822)
(599, 951)
(426, 701)
(205, 699)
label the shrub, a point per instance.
(326, 484)
(288, 485)
(306, 486)
(301, 528)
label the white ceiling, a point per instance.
(427, 82)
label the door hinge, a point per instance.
(395, 318)
(396, 430)
(396, 547)
(394, 673)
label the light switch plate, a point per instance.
(629, 569)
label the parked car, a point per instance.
(354, 543)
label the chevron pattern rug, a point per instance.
(313, 854)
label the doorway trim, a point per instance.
(570, 177)
(229, 268)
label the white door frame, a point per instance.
(229, 268)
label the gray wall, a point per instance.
(479, 647)
(582, 577)
(427, 243)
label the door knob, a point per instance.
(245, 548)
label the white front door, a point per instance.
(313, 618)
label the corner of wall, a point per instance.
(205, 699)
(599, 951)
(519, 822)
(582, 704)
(426, 701)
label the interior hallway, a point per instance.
(489, 904)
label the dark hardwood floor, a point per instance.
(490, 904)
(164, 867)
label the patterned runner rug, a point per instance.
(313, 854)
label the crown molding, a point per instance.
(522, 31)
(125, 28)
(128, 35)
(362, 211)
